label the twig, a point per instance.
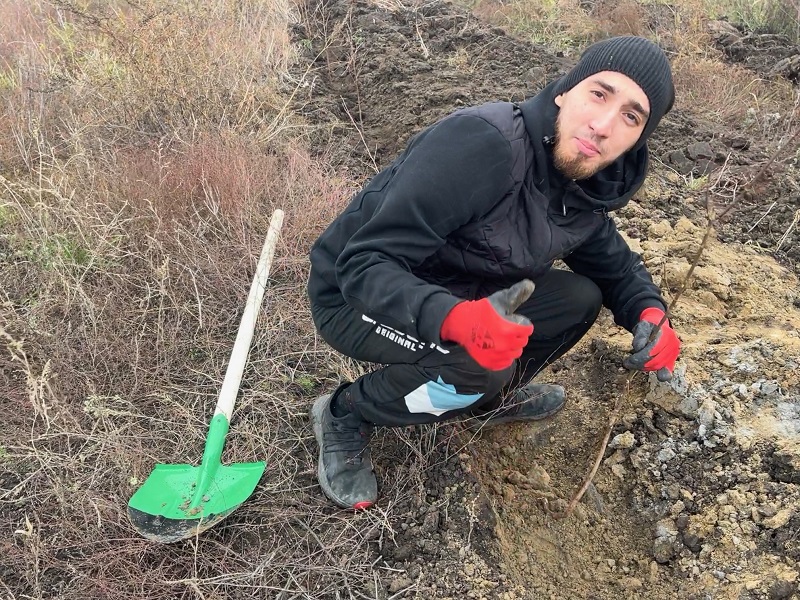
(771, 206)
(361, 135)
(425, 51)
(788, 231)
(612, 420)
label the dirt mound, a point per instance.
(393, 72)
(768, 54)
(697, 494)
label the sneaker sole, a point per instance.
(317, 415)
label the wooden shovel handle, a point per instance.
(241, 347)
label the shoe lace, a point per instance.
(343, 437)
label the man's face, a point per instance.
(600, 119)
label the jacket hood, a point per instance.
(610, 189)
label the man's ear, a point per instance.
(559, 100)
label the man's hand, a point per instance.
(660, 354)
(488, 329)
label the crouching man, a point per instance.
(441, 268)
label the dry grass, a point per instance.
(765, 16)
(561, 25)
(144, 147)
(734, 96)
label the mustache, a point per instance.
(598, 141)
(591, 137)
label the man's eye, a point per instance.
(632, 118)
(597, 93)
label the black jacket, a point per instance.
(472, 206)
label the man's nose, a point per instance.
(602, 123)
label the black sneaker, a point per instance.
(345, 465)
(533, 402)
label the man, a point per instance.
(431, 269)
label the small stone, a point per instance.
(700, 150)
(516, 478)
(624, 440)
(673, 396)
(632, 583)
(580, 513)
(666, 455)
(705, 415)
(617, 458)
(399, 584)
(660, 229)
(403, 552)
(666, 528)
(781, 590)
(692, 541)
(779, 520)
(539, 478)
(768, 510)
(679, 161)
(768, 388)
(431, 522)
(752, 584)
(653, 576)
(663, 550)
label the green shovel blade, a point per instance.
(177, 502)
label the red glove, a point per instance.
(488, 329)
(660, 354)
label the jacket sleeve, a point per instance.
(620, 274)
(449, 175)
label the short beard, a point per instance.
(573, 166)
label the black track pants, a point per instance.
(426, 383)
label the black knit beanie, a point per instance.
(638, 58)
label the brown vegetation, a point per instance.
(143, 147)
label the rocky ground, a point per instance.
(697, 495)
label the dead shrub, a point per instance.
(767, 16)
(783, 16)
(143, 147)
(561, 25)
(78, 77)
(626, 17)
(214, 177)
(727, 93)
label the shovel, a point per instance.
(180, 501)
